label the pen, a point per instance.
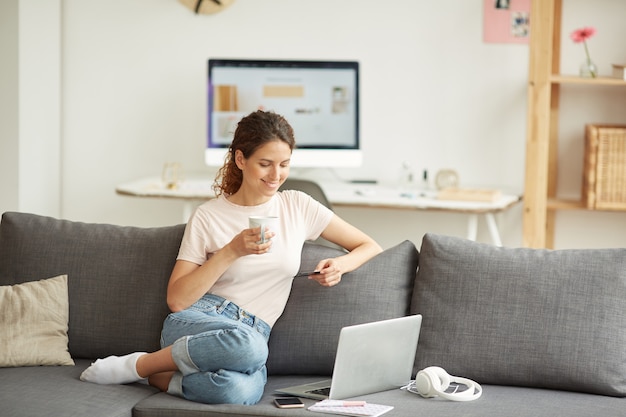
(338, 403)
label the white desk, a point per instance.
(363, 195)
(192, 191)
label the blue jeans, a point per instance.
(220, 351)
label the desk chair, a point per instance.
(314, 190)
(310, 187)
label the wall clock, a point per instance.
(206, 6)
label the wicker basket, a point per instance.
(604, 177)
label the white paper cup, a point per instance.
(266, 223)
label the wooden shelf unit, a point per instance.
(544, 82)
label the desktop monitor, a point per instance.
(320, 99)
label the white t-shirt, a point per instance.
(259, 284)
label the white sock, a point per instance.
(113, 370)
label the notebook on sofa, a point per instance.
(371, 357)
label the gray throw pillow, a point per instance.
(117, 277)
(527, 317)
(304, 339)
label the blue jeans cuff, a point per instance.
(180, 354)
(176, 385)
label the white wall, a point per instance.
(30, 106)
(40, 106)
(433, 94)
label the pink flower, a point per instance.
(581, 35)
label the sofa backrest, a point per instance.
(117, 281)
(519, 316)
(117, 277)
(304, 339)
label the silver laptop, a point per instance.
(371, 357)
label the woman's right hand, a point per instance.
(247, 242)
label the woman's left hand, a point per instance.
(330, 273)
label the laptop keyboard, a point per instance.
(320, 391)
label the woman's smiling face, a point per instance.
(265, 170)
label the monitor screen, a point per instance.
(320, 99)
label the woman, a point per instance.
(227, 290)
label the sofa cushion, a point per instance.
(518, 316)
(117, 277)
(304, 339)
(33, 323)
(57, 391)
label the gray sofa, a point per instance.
(544, 332)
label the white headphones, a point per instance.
(434, 381)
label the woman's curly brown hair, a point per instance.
(253, 131)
